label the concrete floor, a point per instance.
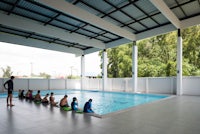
(177, 115)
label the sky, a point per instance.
(23, 60)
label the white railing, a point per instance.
(160, 85)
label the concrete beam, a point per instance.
(190, 22)
(117, 43)
(14, 39)
(164, 9)
(51, 31)
(91, 50)
(156, 31)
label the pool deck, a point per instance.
(177, 115)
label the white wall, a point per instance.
(93, 84)
(21, 84)
(73, 84)
(191, 85)
(142, 85)
(161, 85)
(57, 84)
(1, 85)
(38, 84)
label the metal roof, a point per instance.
(87, 26)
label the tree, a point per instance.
(44, 75)
(113, 68)
(72, 77)
(157, 56)
(153, 59)
(7, 72)
(191, 45)
(120, 63)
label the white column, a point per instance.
(104, 74)
(134, 66)
(82, 71)
(179, 65)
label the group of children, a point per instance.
(63, 102)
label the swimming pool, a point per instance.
(103, 102)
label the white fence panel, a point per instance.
(38, 84)
(159, 85)
(118, 84)
(191, 85)
(128, 85)
(99, 84)
(142, 85)
(86, 83)
(73, 84)
(1, 85)
(22, 84)
(57, 84)
(93, 84)
(109, 85)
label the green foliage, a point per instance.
(157, 56)
(73, 77)
(44, 75)
(191, 45)
(7, 72)
(120, 63)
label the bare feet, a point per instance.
(12, 105)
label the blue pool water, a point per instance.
(103, 102)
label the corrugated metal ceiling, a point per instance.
(135, 16)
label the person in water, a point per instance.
(64, 102)
(45, 99)
(74, 104)
(88, 107)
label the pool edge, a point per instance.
(128, 109)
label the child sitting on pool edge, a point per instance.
(37, 96)
(88, 107)
(74, 105)
(64, 102)
(45, 99)
(52, 100)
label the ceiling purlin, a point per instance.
(13, 7)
